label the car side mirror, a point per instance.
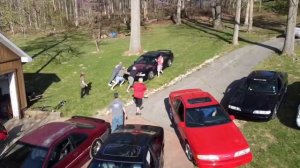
(181, 125)
(232, 117)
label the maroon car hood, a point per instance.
(220, 139)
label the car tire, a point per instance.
(275, 110)
(150, 75)
(169, 63)
(95, 147)
(188, 152)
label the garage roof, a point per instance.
(15, 49)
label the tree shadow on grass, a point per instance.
(37, 83)
(289, 107)
(262, 22)
(220, 34)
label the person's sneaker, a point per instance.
(109, 84)
(141, 107)
(138, 113)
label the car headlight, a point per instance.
(234, 107)
(242, 152)
(208, 157)
(262, 112)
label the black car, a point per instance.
(134, 146)
(259, 95)
(146, 63)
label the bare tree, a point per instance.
(76, 12)
(289, 41)
(237, 23)
(217, 14)
(135, 33)
(179, 6)
(246, 21)
(250, 25)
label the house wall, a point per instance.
(10, 62)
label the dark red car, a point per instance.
(210, 137)
(57, 144)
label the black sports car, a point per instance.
(260, 95)
(134, 146)
(146, 63)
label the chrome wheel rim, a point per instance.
(188, 151)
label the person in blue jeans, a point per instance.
(118, 111)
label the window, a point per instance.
(179, 109)
(199, 100)
(279, 84)
(60, 152)
(206, 116)
(78, 139)
(261, 85)
(24, 155)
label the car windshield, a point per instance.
(256, 85)
(111, 164)
(145, 60)
(24, 155)
(206, 116)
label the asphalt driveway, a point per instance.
(215, 77)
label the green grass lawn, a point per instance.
(277, 143)
(59, 59)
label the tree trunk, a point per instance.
(259, 9)
(218, 21)
(246, 22)
(250, 16)
(11, 26)
(145, 10)
(135, 33)
(237, 23)
(66, 10)
(289, 42)
(76, 13)
(179, 3)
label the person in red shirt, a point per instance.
(139, 89)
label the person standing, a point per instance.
(139, 89)
(118, 111)
(160, 62)
(131, 77)
(83, 85)
(114, 73)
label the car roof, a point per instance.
(134, 138)
(263, 74)
(152, 53)
(193, 98)
(47, 134)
